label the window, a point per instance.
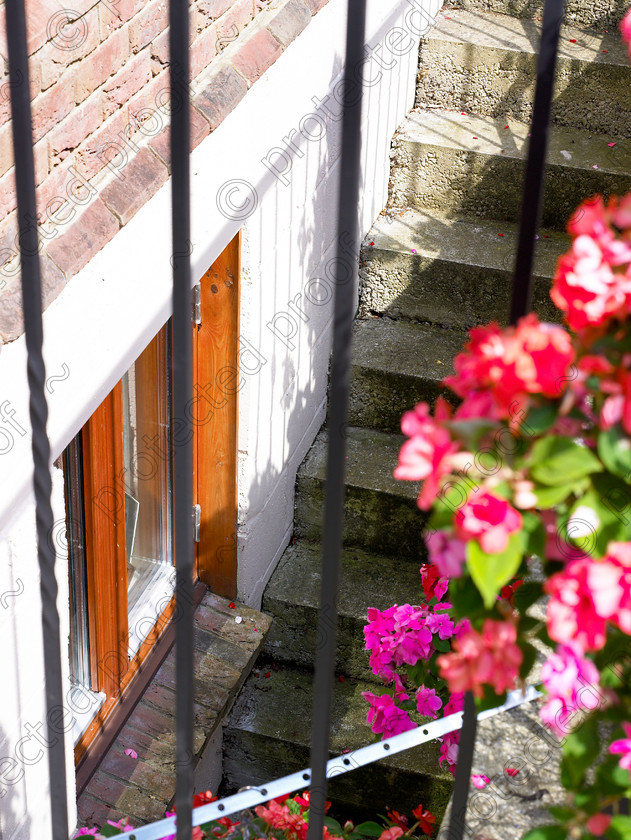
(118, 480)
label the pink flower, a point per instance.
(488, 658)
(499, 367)
(619, 556)
(598, 824)
(583, 596)
(427, 702)
(585, 286)
(489, 520)
(386, 718)
(92, 832)
(122, 824)
(392, 833)
(426, 456)
(480, 782)
(566, 675)
(625, 28)
(449, 751)
(623, 747)
(446, 553)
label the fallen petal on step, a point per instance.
(131, 753)
(567, 155)
(595, 166)
(612, 144)
(238, 619)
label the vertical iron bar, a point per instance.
(38, 408)
(535, 166)
(463, 770)
(347, 226)
(182, 392)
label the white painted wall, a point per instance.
(109, 312)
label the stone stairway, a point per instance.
(438, 260)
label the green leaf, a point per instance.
(614, 447)
(465, 599)
(530, 656)
(369, 829)
(562, 813)
(443, 645)
(580, 750)
(549, 497)
(333, 825)
(294, 807)
(491, 571)
(558, 460)
(540, 418)
(534, 534)
(110, 831)
(613, 775)
(619, 828)
(546, 832)
(416, 673)
(526, 595)
(609, 498)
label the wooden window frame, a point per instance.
(214, 414)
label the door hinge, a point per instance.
(197, 519)
(197, 304)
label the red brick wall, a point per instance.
(99, 90)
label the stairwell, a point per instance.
(438, 260)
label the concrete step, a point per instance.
(396, 364)
(457, 272)
(380, 513)
(269, 732)
(473, 166)
(293, 594)
(594, 14)
(486, 63)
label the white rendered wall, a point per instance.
(108, 313)
(24, 778)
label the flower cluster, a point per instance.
(487, 658)
(285, 818)
(533, 466)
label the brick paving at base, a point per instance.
(143, 787)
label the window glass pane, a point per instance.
(148, 502)
(78, 642)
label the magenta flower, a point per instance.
(446, 553)
(623, 747)
(625, 28)
(489, 520)
(385, 716)
(479, 781)
(123, 824)
(92, 832)
(571, 683)
(582, 597)
(427, 702)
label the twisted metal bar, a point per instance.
(182, 392)
(38, 408)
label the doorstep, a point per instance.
(142, 788)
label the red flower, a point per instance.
(203, 798)
(398, 819)
(425, 819)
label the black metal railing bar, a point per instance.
(344, 310)
(182, 391)
(38, 407)
(532, 199)
(532, 196)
